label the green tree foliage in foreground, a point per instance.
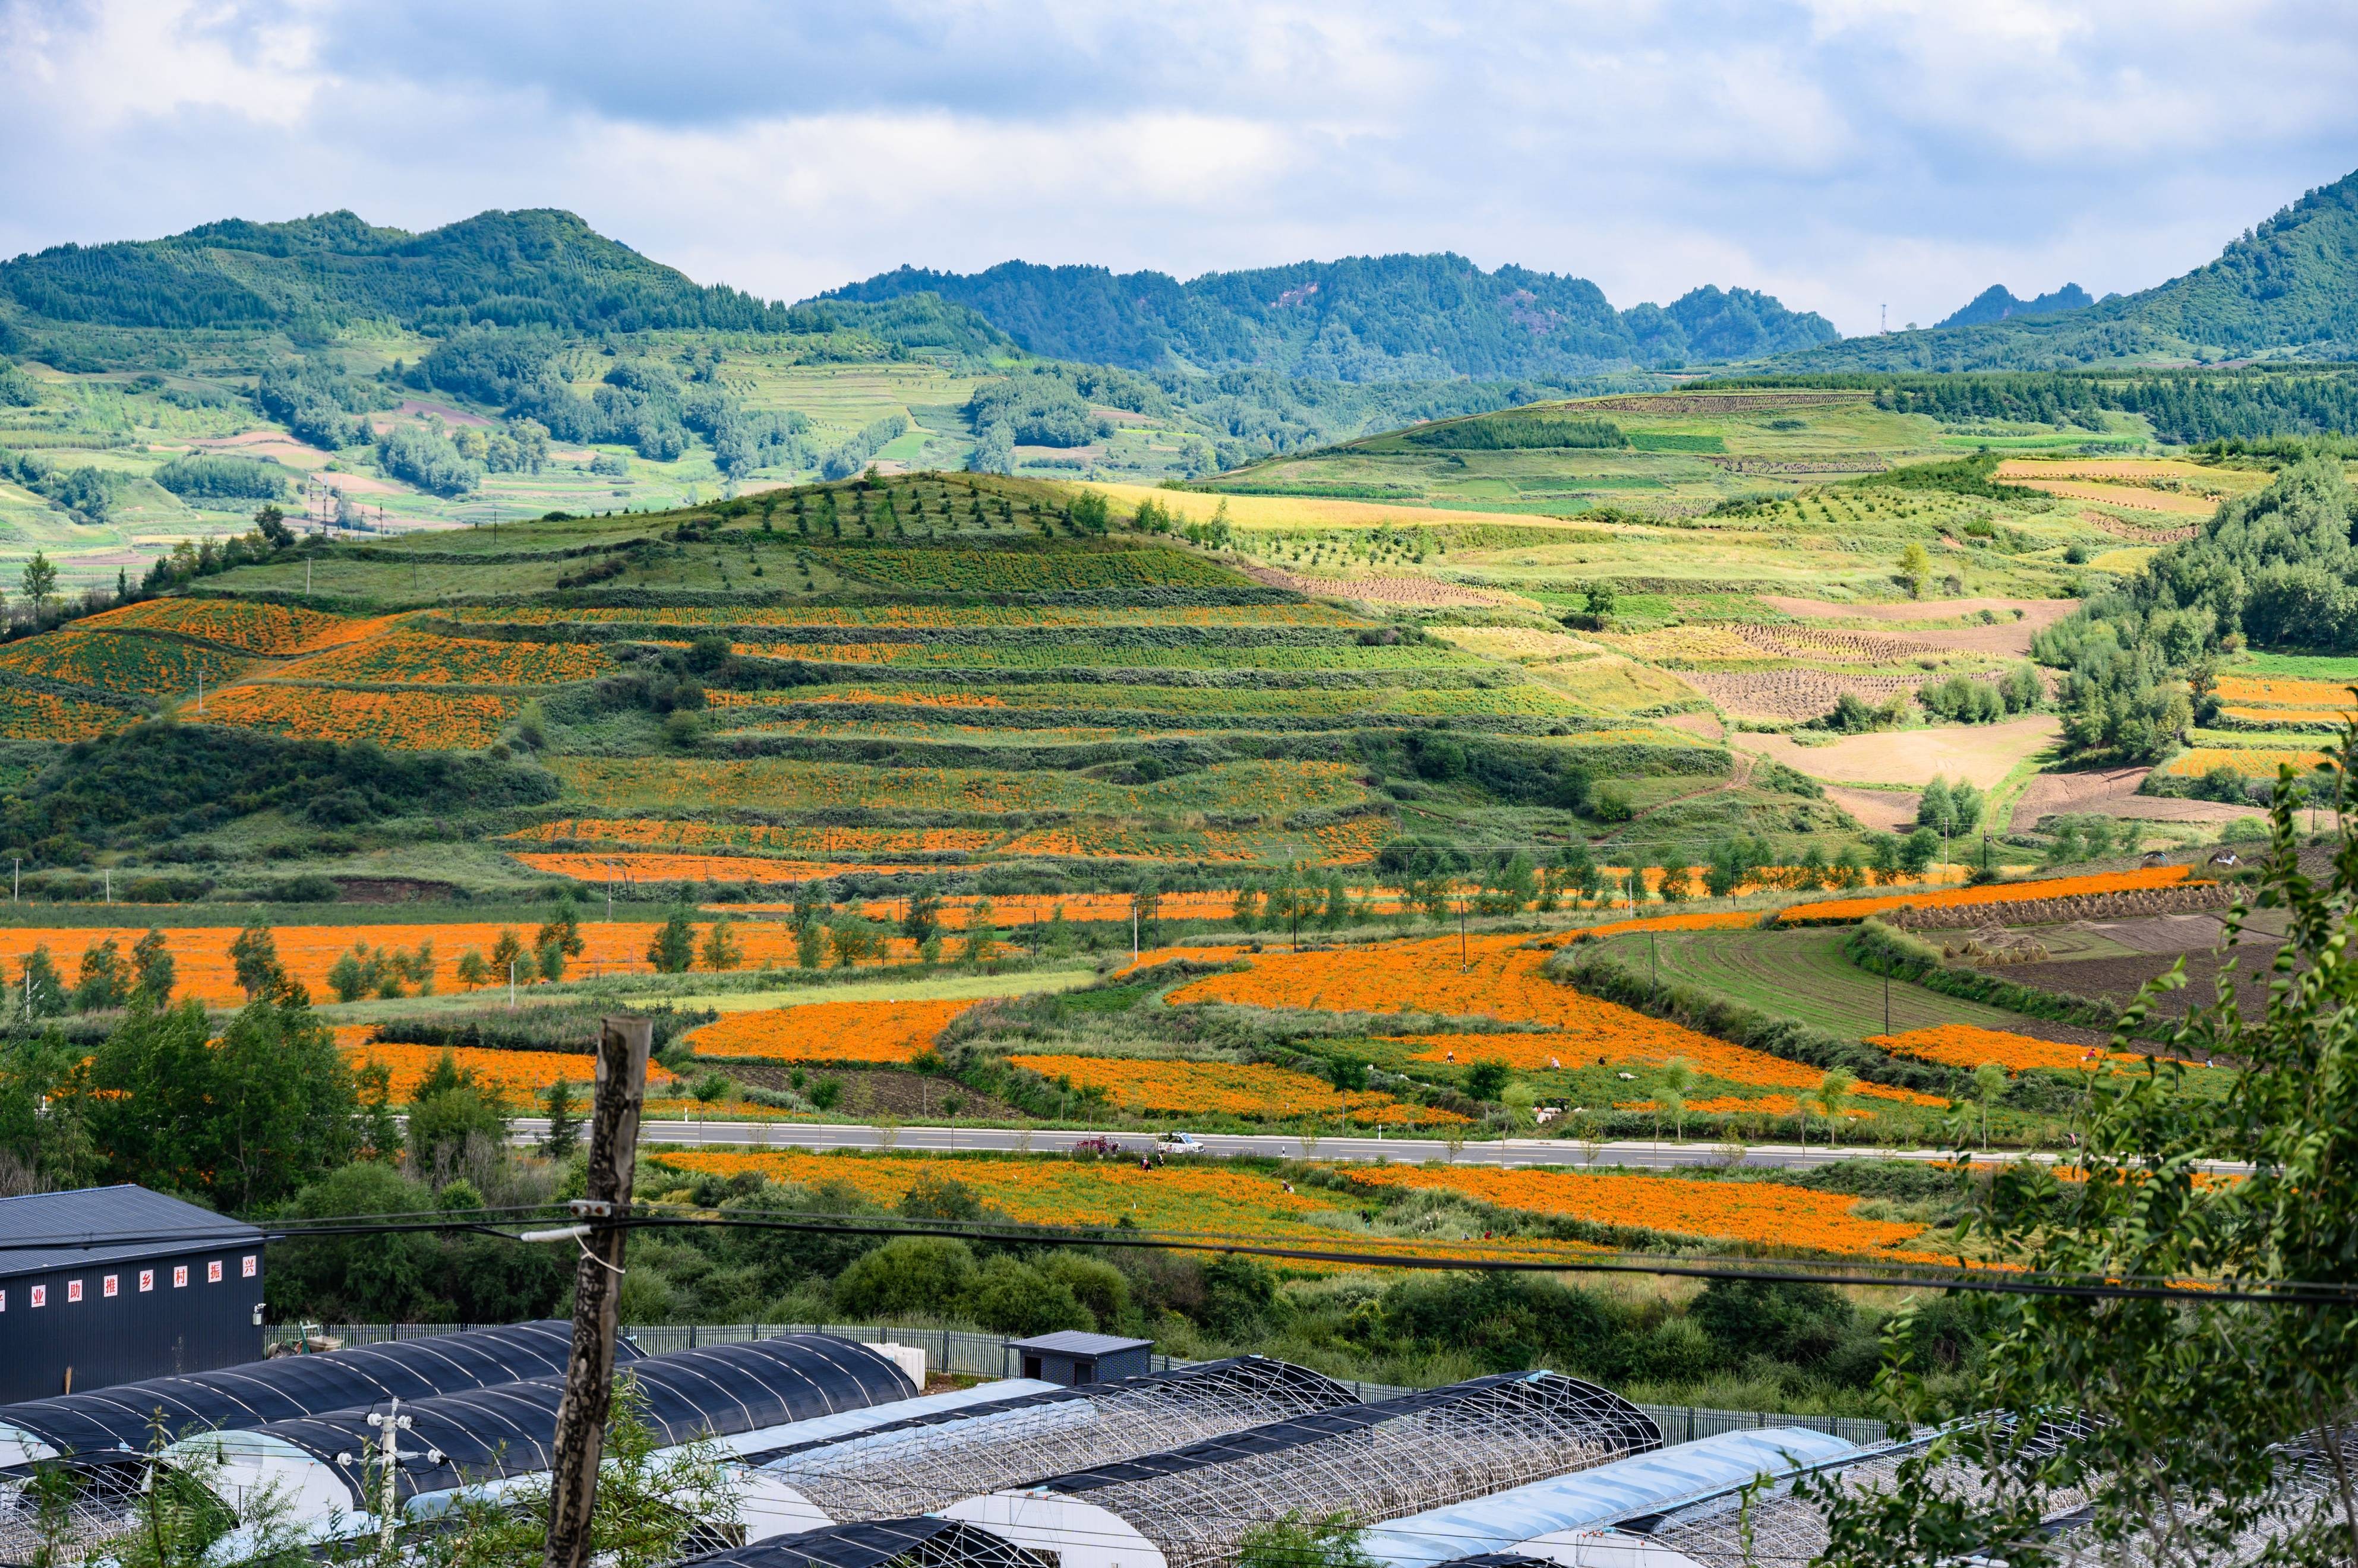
(2193, 1408)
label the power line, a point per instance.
(1411, 1254)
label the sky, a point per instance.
(1843, 155)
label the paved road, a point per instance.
(1496, 1152)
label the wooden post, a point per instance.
(623, 1049)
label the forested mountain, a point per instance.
(2287, 288)
(1360, 318)
(1998, 303)
(536, 268)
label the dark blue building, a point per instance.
(111, 1284)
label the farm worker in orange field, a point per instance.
(1554, 1062)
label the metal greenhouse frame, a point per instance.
(1365, 1463)
(920, 1465)
(1782, 1530)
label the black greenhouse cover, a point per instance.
(718, 1390)
(127, 1415)
(927, 1543)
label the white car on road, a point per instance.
(1178, 1143)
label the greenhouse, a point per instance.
(1777, 1528)
(125, 1416)
(928, 1542)
(1191, 1507)
(1552, 1519)
(320, 1464)
(919, 1464)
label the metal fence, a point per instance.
(976, 1355)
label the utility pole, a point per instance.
(623, 1047)
(1654, 957)
(201, 693)
(1887, 993)
(512, 964)
(389, 1456)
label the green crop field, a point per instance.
(1802, 975)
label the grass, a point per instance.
(1802, 975)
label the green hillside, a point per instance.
(2288, 287)
(1361, 319)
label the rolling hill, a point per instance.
(2288, 288)
(1360, 318)
(541, 268)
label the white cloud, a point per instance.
(1838, 153)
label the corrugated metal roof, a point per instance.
(1074, 1342)
(1635, 1487)
(43, 1232)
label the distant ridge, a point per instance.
(2286, 290)
(1997, 303)
(1360, 318)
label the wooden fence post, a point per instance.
(623, 1047)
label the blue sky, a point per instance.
(1840, 154)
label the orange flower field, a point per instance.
(404, 657)
(30, 715)
(889, 1033)
(1215, 1201)
(201, 952)
(272, 631)
(656, 833)
(1051, 1190)
(405, 720)
(1965, 1045)
(1502, 981)
(1712, 920)
(1712, 1057)
(628, 866)
(521, 1077)
(1761, 1213)
(1253, 1090)
(1847, 909)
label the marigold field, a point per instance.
(1758, 1214)
(203, 969)
(1607, 1047)
(1847, 909)
(520, 1076)
(1253, 1090)
(890, 1033)
(405, 720)
(404, 657)
(132, 665)
(627, 866)
(1217, 1201)
(30, 715)
(1965, 1046)
(271, 631)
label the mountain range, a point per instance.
(1360, 318)
(2287, 287)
